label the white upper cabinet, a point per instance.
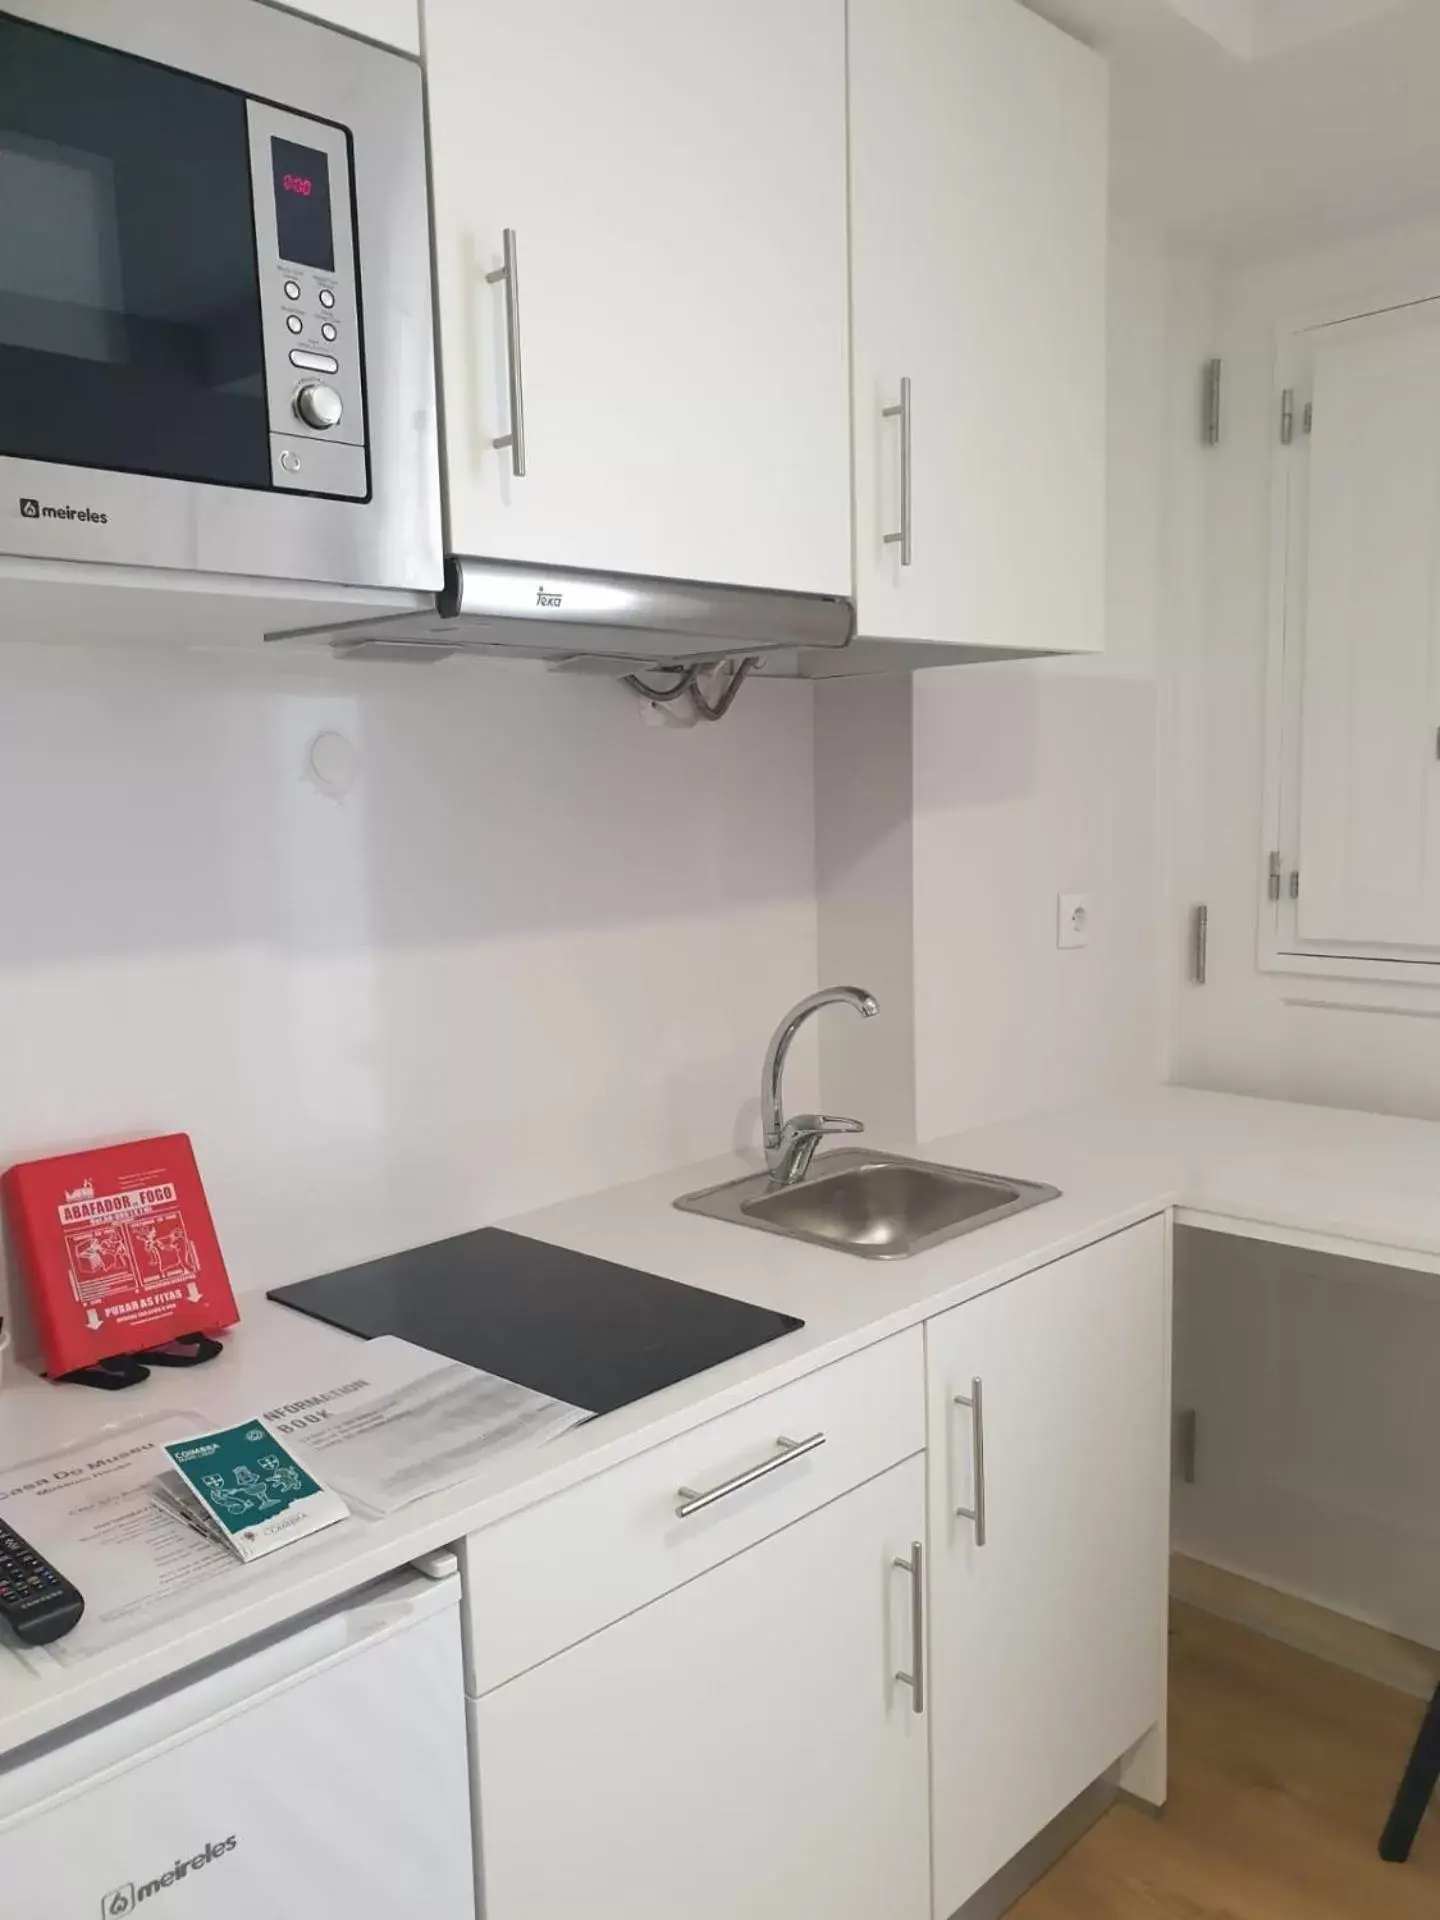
(395, 23)
(978, 190)
(675, 325)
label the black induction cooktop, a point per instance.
(585, 1330)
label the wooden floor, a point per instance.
(1282, 1770)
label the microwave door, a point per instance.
(131, 332)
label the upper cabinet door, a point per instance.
(674, 326)
(978, 189)
(396, 23)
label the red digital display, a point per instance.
(302, 204)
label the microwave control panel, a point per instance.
(310, 303)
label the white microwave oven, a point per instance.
(216, 333)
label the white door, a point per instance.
(674, 177)
(738, 1748)
(1047, 1641)
(1368, 621)
(323, 1776)
(978, 187)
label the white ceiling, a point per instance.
(1255, 29)
(1255, 125)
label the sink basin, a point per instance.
(876, 1205)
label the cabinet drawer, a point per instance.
(543, 1579)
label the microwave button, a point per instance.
(292, 289)
(295, 323)
(329, 332)
(313, 362)
(319, 406)
(327, 298)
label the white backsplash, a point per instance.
(537, 948)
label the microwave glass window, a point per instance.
(130, 326)
(302, 206)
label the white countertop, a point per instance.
(1358, 1183)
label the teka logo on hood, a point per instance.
(123, 1901)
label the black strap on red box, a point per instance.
(129, 1369)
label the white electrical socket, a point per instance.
(1074, 917)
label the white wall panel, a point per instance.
(537, 949)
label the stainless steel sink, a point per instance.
(877, 1205)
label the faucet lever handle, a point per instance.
(798, 1140)
(821, 1123)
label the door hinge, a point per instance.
(1276, 876)
(1309, 416)
(1210, 419)
(1287, 416)
(1199, 944)
(1187, 1444)
(1295, 883)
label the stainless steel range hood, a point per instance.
(620, 622)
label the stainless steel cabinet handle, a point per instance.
(975, 1401)
(915, 1679)
(692, 1501)
(510, 274)
(904, 537)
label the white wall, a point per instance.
(539, 947)
(865, 882)
(988, 790)
(1364, 1045)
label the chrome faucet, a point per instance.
(790, 1144)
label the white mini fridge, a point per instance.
(319, 1775)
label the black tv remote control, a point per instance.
(36, 1603)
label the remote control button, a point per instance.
(292, 289)
(327, 298)
(294, 323)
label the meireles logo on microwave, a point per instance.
(121, 1901)
(37, 510)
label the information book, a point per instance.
(243, 1486)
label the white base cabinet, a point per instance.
(692, 1704)
(1048, 1616)
(740, 1747)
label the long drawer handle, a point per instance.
(975, 1401)
(510, 274)
(915, 1679)
(904, 539)
(692, 1501)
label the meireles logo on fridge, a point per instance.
(124, 1900)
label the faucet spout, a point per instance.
(790, 1144)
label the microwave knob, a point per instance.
(319, 406)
